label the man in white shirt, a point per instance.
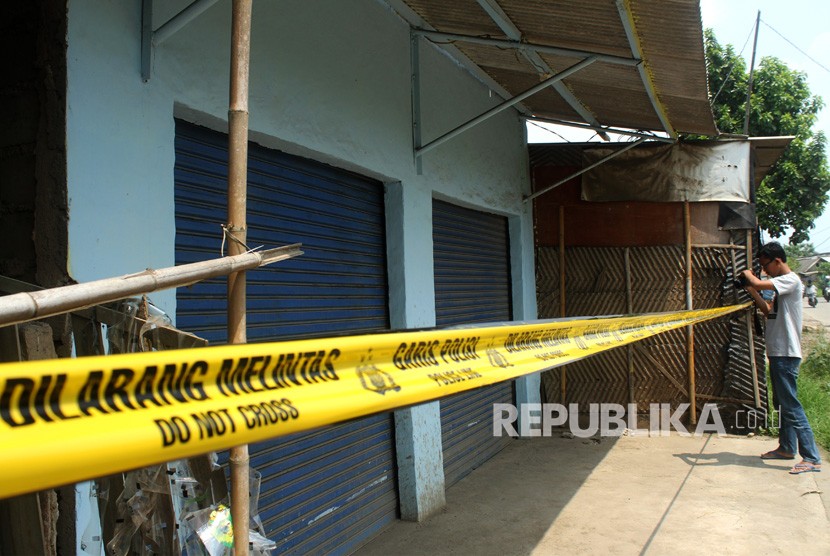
(783, 339)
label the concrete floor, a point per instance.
(637, 495)
(630, 495)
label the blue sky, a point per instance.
(791, 30)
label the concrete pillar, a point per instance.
(412, 305)
(528, 390)
(420, 461)
(523, 273)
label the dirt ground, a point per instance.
(632, 495)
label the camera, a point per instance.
(739, 282)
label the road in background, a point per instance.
(820, 312)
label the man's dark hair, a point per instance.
(772, 251)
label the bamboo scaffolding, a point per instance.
(690, 330)
(237, 229)
(629, 308)
(26, 306)
(749, 332)
(563, 373)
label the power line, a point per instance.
(552, 131)
(822, 243)
(819, 64)
(732, 66)
(825, 240)
(774, 30)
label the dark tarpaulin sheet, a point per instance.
(669, 173)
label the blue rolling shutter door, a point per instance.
(472, 284)
(332, 489)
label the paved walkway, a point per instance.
(631, 495)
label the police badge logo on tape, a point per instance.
(374, 379)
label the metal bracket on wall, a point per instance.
(551, 81)
(415, 95)
(420, 150)
(498, 15)
(151, 38)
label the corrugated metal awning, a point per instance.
(650, 71)
(766, 151)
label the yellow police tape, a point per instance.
(68, 420)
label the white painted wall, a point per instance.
(329, 80)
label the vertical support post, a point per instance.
(415, 93)
(563, 373)
(237, 230)
(690, 330)
(734, 274)
(747, 108)
(629, 309)
(749, 333)
(146, 40)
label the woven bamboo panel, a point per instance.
(658, 281)
(547, 283)
(653, 370)
(595, 282)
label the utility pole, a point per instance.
(751, 71)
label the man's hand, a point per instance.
(754, 282)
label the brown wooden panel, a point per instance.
(618, 224)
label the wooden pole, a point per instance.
(749, 333)
(747, 107)
(563, 374)
(690, 330)
(237, 229)
(30, 305)
(734, 275)
(629, 308)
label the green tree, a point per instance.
(797, 250)
(823, 271)
(794, 193)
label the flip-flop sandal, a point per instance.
(805, 467)
(777, 454)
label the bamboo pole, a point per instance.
(690, 330)
(747, 108)
(237, 229)
(629, 308)
(734, 275)
(563, 373)
(26, 306)
(718, 245)
(749, 333)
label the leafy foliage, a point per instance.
(823, 270)
(794, 193)
(814, 389)
(796, 250)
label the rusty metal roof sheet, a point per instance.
(666, 35)
(766, 151)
